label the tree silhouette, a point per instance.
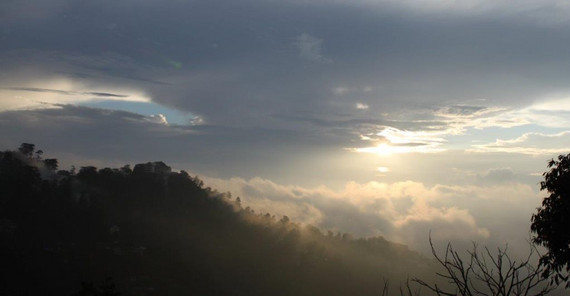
(485, 273)
(51, 164)
(27, 149)
(552, 220)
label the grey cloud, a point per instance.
(35, 89)
(499, 175)
(333, 120)
(65, 92)
(100, 94)
(310, 48)
(462, 109)
(412, 61)
(116, 137)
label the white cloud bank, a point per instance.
(405, 212)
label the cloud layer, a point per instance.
(404, 211)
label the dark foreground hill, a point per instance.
(151, 231)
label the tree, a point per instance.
(51, 164)
(39, 154)
(27, 149)
(552, 220)
(485, 273)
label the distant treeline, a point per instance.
(151, 231)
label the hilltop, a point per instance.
(152, 231)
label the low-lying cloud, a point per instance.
(404, 211)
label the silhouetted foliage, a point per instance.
(158, 232)
(51, 164)
(551, 223)
(27, 149)
(107, 288)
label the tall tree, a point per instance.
(552, 220)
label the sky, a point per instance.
(374, 117)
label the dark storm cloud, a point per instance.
(242, 63)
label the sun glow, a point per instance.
(391, 141)
(382, 149)
(382, 169)
(387, 150)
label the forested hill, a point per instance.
(151, 231)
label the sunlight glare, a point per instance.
(382, 169)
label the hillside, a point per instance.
(151, 231)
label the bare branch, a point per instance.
(488, 273)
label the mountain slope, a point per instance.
(158, 232)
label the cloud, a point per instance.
(340, 90)
(479, 72)
(498, 175)
(529, 143)
(64, 92)
(278, 94)
(158, 118)
(549, 111)
(404, 64)
(310, 48)
(395, 141)
(547, 13)
(457, 119)
(119, 137)
(81, 134)
(27, 89)
(455, 111)
(32, 11)
(432, 130)
(403, 211)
